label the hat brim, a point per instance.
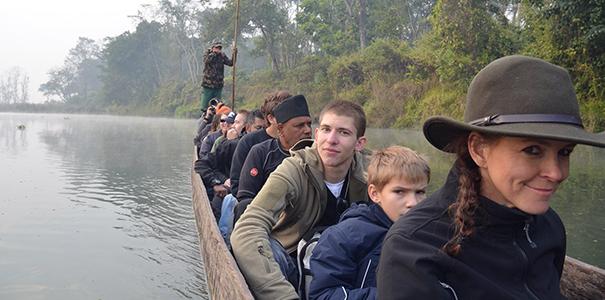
(441, 131)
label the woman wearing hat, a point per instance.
(489, 233)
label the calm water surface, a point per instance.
(97, 207)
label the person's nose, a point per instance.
(332, 137)
(554, 168)
(308, 130)
(412, 201)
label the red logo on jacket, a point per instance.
(253, 172)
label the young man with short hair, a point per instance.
(302, 193)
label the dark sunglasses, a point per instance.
(223, 120)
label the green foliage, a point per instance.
(467, 37)
(572, 34)
(328, 26)
(402, 60)
(440, 99)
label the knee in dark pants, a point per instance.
(285, 262)
(216, 204)
(240, 207)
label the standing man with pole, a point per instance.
(214, 69)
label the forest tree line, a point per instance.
(14, 86)
(402, 60)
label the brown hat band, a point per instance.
(527, 118)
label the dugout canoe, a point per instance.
(223, 277)
(225, 281)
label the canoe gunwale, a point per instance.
(223, 277)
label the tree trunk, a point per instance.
(362, 23)
(269, 46)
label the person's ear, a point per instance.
(478, 148)
(271, 119)
(361, 143)
(373, 193)
(280, 127)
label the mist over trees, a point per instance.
(14, 84)
(402, 60)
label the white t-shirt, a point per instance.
(335, 188)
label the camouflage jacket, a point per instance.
(214, 69)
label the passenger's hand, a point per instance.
(232, 134)
(227, 183)
(220, 190)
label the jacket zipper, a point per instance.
(451, 289)
(261, 251)
(526, 263)
(317, 187)
(526, 229)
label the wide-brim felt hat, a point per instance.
(517, 96)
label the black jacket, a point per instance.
(215, 166)
(261, 161)
(241, 151)
(512, 255)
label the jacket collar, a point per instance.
(489, 213)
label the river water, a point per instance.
(99, 207)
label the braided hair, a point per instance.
(467, 201)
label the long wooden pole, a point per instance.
(235, 34)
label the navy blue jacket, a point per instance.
(511, 255)
(346, 256)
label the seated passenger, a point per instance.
(293, 124)
(209, 140)
(230, 122)
(204, 123)
(249, 140)
(489, 232)
(255, 121)
(345, 258)
(306, 190)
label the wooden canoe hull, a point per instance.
(582, 281)
(225, 281)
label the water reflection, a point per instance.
(116, 218)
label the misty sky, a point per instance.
(36, 35)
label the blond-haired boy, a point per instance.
(345, 259)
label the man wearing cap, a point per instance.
(214, 69)
(293, 124)
(302, 194)
(249, 140)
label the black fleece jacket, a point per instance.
(512, 255)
